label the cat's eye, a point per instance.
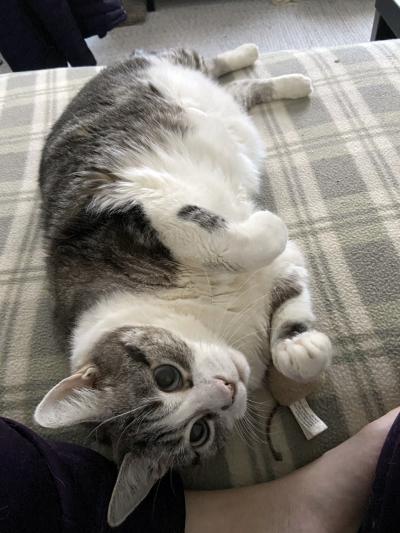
(199, 433)
(168, 378)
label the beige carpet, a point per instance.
(213, 25)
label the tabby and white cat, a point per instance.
(175, 289)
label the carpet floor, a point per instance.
(213, 25)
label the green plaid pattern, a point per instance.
(332, 173)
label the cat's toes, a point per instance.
(248, 54)
(292, 86)
(303, 357)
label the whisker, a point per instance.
(252, 400)
(236, 297)
(115, 417)
(246, 310)
(238, 341)
(255, 416)
(264, 420)
(254, 427)
(129, 425)
(230, 330)
(242, 431)
(256, 432)
(239, 432)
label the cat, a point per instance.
(176, 290)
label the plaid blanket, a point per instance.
(332, 174)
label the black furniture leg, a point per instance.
(380, 29)
(151, 5)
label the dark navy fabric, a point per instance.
(383, 514)
(54, 487)
(97, 17)
(37, 34)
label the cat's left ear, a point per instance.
(136, 477)
(73, 400)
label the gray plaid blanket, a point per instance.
(332, 174)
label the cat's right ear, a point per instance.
(136, 477)
(73, 400)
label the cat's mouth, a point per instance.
(239, 400)
(237, 407)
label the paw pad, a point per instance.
(304, 357)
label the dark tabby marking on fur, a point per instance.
(133, 222)
(137, 355)
(89, 253)
(176, 56)
(117, 108)
(289, 330)
(131, 257)
(251, 93)
(118, 356)
(284, 290)
(204, 218)
(187, 58)
(158, 343)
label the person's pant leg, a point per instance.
(383, 513)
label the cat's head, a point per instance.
(162, 401)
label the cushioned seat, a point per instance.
(332, 173)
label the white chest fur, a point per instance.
(204, 307)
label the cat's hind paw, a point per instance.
(245, 55)
(292, 86)
(303, 357)
(249, 52)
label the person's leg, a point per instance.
(54, 487)
(327, 496)
(383, 514)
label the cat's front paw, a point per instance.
(292, 86)
(263, 238)
(303, 357)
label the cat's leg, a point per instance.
(196, 235)
(252, 92)
(213, 241)
(241, 57)
(298, 350)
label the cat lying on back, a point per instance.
(176, 290)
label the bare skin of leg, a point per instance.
(326, 496)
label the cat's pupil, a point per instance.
(199, 433)
(168, 378)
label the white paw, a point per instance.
(249, 51)
(260, 239)
(304, 357)
(244, 56)
(292, 86)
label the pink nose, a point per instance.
(228, 386)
